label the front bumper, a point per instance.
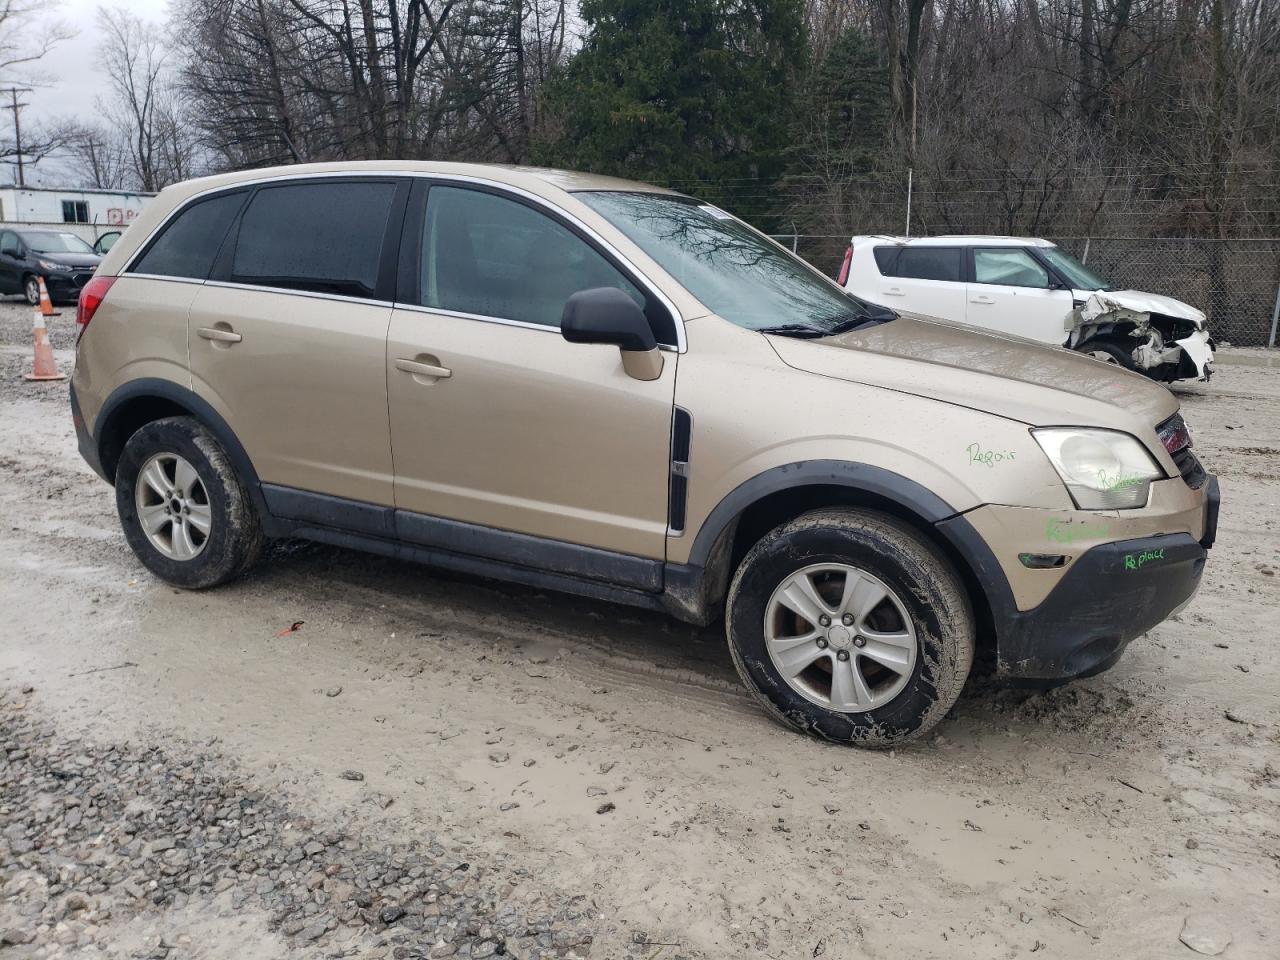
(1110, 595)
(67, 286)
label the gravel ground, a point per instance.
(611, 789)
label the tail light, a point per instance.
(91, 297)
(843, 278)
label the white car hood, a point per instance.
(1099, 302)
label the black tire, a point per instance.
(904, 561)
(235, 538)
(1115, 351)
(31, 290)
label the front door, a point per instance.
(498, 421)
(288, 336)
(1012, 292)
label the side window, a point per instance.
(322, 237)
(929, 263)
(1010, 267)
(495, 257)
(189, 243)
(9, 243)
(885, 259)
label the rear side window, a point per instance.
(494, 257)
(321, 237)
(189, 243)
(929, 263)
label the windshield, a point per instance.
(1076, 273)
(48, 242)
(731, 268)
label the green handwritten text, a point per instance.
(988, 457)
(1132, 561)
(1064, 531)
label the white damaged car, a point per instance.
(1031, 288)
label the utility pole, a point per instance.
(16, 107)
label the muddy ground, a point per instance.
(492, 725)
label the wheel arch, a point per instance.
(696, 591)
(143, 401)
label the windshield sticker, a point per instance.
(1132, 561)
(1064, 531)
(715, 212)
(989, 457)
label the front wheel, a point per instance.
(31, 290)
(184, 510)
(851, 626)
(1108, 352)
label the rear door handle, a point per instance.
(981, 298)
(219, 335)
(894, 292)
(419, 369)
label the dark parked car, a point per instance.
(64, 260)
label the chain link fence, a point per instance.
(1235, 282)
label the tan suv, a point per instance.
(614, 390)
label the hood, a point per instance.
(70, 259)
(1003, 375)
(1099, 302)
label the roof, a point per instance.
(535, 179)
(972, 240)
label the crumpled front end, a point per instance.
(1168, 339)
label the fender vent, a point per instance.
(681, 441)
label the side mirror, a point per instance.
(10, 252)
(607, 315)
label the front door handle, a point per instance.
(982, 299)
(894, 292)
(419, 369)
(218, 335)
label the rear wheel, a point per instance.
(852, 627)
(183, 509)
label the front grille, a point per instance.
(80, 279)
(1176, 438)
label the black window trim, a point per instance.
(408, 294)
(540, 203)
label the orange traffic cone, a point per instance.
(44, 367)
(46, 305)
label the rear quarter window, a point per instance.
(885, 257)
(189, 242)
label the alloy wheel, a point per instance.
(173, 506)
(840, 637)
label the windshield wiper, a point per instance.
(794, 330)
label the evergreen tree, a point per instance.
(688, 93)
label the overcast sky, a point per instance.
(67, 81)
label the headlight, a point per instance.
(53, 267)
(1102, 469)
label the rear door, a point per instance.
(1013, 292)
(927, 280)
(10, 262)
(288, 336)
